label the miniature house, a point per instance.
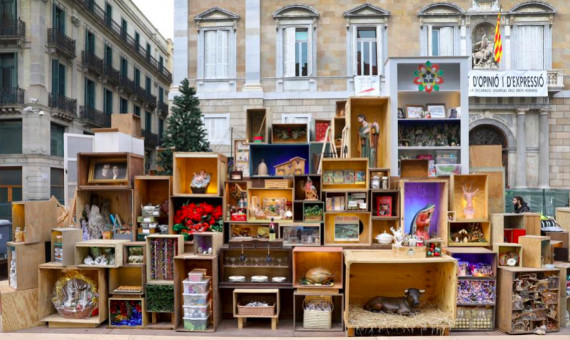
(295, 166)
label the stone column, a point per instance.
(543, 150)
(252, 46)
(180, 53)
(520, 173)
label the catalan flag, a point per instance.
(498, 48)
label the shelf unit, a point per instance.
(26, 257)
(126, 276)
(364, 237)
(242, 318)
(336, 299)
(153, 190)
(185, 164)
(82, 250)
(456, 237)
(504, 250)
(158, 240)
(504, 223)
(536, 251)
(35, 219)
(256, 121)
(260, 194)
(307, 258)
(85, 161)
(69, 237)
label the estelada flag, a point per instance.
(498, 48)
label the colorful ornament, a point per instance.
(428, 77)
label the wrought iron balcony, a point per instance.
(150, 139)
(61, 42)
(555, 80)
(62, 103)
(112, 75)
(92, 62)
(94, 117)
(140, 93)
(126, 85)
(11, 96)
(162, 109)
(150, 100)
(12, 29)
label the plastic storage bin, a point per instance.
(196, 299)
(196, 324)
(190, 311)
(199, 287)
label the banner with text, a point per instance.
(508, 84)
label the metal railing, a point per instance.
(92, 62)
(150, 99)
(112, 74)
(12, 29)
(140, 93)
(63, 103)
(149, 137)
(94, 116)
(11, 96)
(99, 14)
(162, 109)
(126, 84)
(62, 42)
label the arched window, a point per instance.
(440, 29)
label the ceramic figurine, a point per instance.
(200, 180)
(398, 237)
(262, 169)
(404, 305)
(364, 135)
(310, 190)
(468, 194)
(422, 221)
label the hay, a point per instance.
(427, 317)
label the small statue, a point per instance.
(483, 56)
(368, 134)
(404, 305)
(422, 221)
(310, 190)
(201, 179)
(468, 194)
(262, 169)
(398, 237)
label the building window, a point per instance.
(124, 67)
(58, 18)
(10, 190)
(366, 49)
(56, 133)
(108, 55)
(216, 54)
(124, 27)
(160, 128)
(147, 121)
(108, 15)
(148, 85)
(147, 51)
(160, 63)
(57, 78)
(108, 102)
(530, 41)
(441, 41)
(8, 10)
(137, 77)
(160, 95)
(57, 185)
(90, 42)
(124, 106)
(89, 93)
(137, 41)
(8, 70)
(11, 130)
(296, 51)
(137, 110)
(218, 126)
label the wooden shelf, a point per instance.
(480, 200)
(306, 258)
(35, 219)
(82, 251)
(404, 148)
(28, 257)
(185, 164)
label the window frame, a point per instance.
(369, 40)
(14, 80)
(226, 116)
(62, 186)
(58, 126)
(107, 101)
(546, 44)
(309, 117)
(428, 39)
(21, 144)
(148, 121)
(217, 57)
(122, 101)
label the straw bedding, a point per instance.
(427, 317)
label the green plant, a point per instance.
(313, 210)
(159, 298)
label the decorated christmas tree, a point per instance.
(185, 129)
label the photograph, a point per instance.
(108, 171)
(414, 111)
(360, 177)
(348, 176)
(436, 110)
(401, 114)
(346, 228)
(338, 177)
(454, 113)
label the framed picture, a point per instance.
(236, 175)
(401, 114)
(338, 177)
(454, 113)
(348, 176)
(360, 177)
(346, 228)
(328, 177)
(108, 170)
(384, 206)
(414, 111)
(436, 110)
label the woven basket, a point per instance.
(313, 319)
(256, 311)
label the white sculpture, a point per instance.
(398, 237)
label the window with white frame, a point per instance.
(296, 118)
(296, 51)
(366, 52)
(216, 54)
(218, 127)
(441, 41)
(531, 47)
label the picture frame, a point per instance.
(360, 177)
(328, 177)
(436, 110)
(346, 228)
(414, 111)
(236, 175)
(108, 171)
(401, 114)
(338, 177)
(454, 113)
(348, 176)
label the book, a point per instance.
(338, 177)
(384, 206)
(328, 177)
(360, 177)
(348, 176)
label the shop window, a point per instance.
(11, 132)
(56, 134)
(217, 127)
(57, 187)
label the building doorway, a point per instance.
(486, 134)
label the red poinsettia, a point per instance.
(192, 218)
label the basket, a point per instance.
(315, 319)
(256, 311)
(276, 184)
(196, 190)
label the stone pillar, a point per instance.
(252, 46)
(520, 173)
(543, 150)
(180, 55)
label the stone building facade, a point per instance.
(297, 58)
(65, 66)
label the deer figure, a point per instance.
(468, 194)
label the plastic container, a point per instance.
(196, 324)
(196, 275)
(192, 310)
(447, 169)
(196, 299)
(446, 160)
(199, 287)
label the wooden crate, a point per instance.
(380, 173)
(563, 236)
(126, 276)
(135, 167)
(371, 273)
(185, 263)
(455, 229)
(504, 248)
(380, 226)
(485, 156)
(237, 293)
(306, 258)
(536, 251)
(246, 231)
(502, 222)
(69, 237)
(256, 121)
(48, 274)
(153, 190)
(414, 168)
(28, 258)
(150, 256)
(274, 155)
(497, 184)
(475, 255)
(480, 201)
(562, 218)
(311, 234)
(19, 308)
(506, 290)
(564, 296)
(82, 251)
(299, 185)
(336, 165)
(185, 164)
(232, 194)
(376, 110)
(255, 197)
(364, 238)
(337, 300)
(279, 130)
(375, 204)
(126, 246)
(208, 240)
(119, 300)
(312, 218)
(35, 218)
(127, 123)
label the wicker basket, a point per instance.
(313, 319)
(276, 184)
(256, 311)
(196, 190)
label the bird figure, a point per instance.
(310, 190)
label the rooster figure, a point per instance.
(310, 190)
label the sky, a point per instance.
(160, 13)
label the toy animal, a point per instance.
(404, 305)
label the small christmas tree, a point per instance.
(185, 129)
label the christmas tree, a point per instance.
(185, 129)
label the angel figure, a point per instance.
(310, 190)
(468, 194)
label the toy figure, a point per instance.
(368, 134)
(310, 190)
(200, 180)
(422, 221)
(468, 194)
(398, 237)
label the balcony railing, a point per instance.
(112, 75)
(92, 62)
(127, 85)
(11, 96)
(99, 14)
(555, 80)
(162, 109)
(63, 103)
(140, 93)
(12, 29)
(61, 42)
(150, 100)
(94, 116)
(150, 138)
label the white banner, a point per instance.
(367, 86)
(508, 84)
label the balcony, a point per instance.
(92, 63)
(140, 93)
(162, 109)
(112, 75)
(94, 117)
(555, 80)
(150, 100)
(61, 43)
(12, 30)
(11, 96)
(99, 15)
(67, 107)
(150, 139)
(126, 86)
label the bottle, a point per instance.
(272, 231)
(19, 235)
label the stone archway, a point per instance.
(490, 132)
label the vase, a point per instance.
(262, 169)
